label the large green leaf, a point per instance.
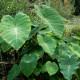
(51, 68)
(48, 43)
(75, 48)
(68, 66)
(28, 64)
(51, 18)
(15, 31)
(15, 71)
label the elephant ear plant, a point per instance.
(41, 47)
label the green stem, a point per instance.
(39, 3)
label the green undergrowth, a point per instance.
(72, 26)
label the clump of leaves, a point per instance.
(40, 48)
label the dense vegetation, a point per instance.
(37, 42)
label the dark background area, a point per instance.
(77, 6)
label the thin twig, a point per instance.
(1, 59)
(5, 71)
(3, 63)
(39, 28)
(18, 56)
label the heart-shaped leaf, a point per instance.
(48, 43)
(15, 31)
(68, 66)
(51, 68)
(28, 64)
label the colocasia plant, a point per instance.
(40, 49)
